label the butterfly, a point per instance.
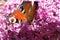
(25, 13)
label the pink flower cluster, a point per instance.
(46, 25)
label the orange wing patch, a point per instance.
(19, 15)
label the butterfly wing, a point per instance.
(30, 11)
